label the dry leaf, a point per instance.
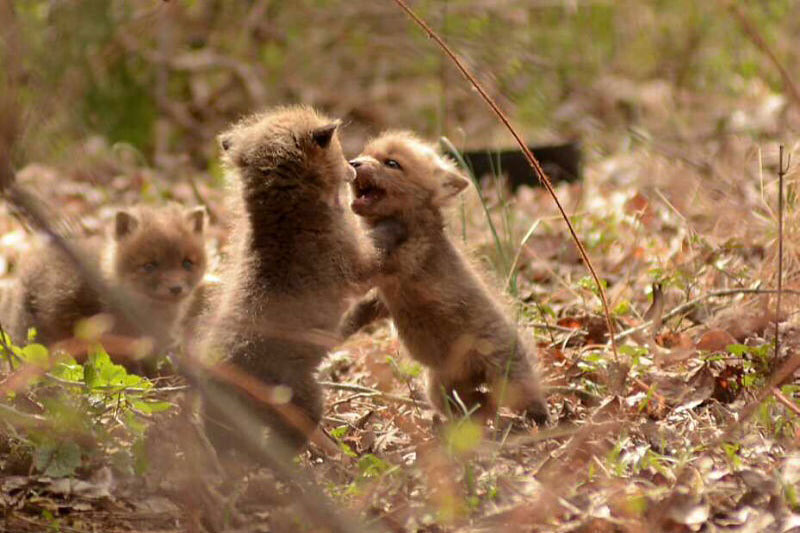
(715, 340)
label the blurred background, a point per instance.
(161, 78)
(679, 107)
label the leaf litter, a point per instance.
(635, 444)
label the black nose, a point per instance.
(355, 163)
(176, 289)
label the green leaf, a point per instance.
(372, 466)
(57, 459)
(464, 436)
(151, 406)
(347, 450)
(36, 354)
(100, 371)
(588, 283)
(338, 433)
(737, 349)
(622, 308)
(69, 370)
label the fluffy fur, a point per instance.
(152, 257)
(445, 316)
(295, 261)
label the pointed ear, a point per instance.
(196, 217)
(124, 224)
(322, 136)
(225, 141)
(452, 183)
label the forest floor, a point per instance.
(682, 430)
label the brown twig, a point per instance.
(786, 401)
(320, 510)
(785, 371)
(309, 497)
(540, 174)
(686, 306)
(367, 391)
(781, 173)
(752, 32)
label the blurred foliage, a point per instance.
(83, 414)
(166, 76)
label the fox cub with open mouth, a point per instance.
(445, 315)
(296, 262)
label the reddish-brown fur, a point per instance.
(295, 260)
(152, 257)
(445, 315)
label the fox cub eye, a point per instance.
(391, 163)
(188, 264)
(150, 267)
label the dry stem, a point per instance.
(540, 174)
(786, 401)
(781, 173)
(752, 32)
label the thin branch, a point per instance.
(686, 306)
(786, 401)
(305, 491)
(113, 388)
(554, 327)
(786, 370)
(18, 418)
(372, 393)
(781, 173)
(540, 174)
(311, 499)
(752, 32)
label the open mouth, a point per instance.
(366, 193)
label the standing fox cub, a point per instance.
(295, 259)
(443, 312)
(154, 257)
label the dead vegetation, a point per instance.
(692, 428)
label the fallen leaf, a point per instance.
(715, 340)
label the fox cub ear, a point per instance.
(451, 182)
(225, 141)
(124, 224)
(322, 136)
(196, 216)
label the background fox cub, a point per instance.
(154, 257)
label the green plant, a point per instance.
(88, 411)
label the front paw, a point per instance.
(538, 412)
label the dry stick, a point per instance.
(785, 371)
(350, 387)
(781, 173)
(786, 401)
(311, 499)
(682, 308)
(752, 31)
(320, 510)
(543, 179)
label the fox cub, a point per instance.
(295, 260)
(153, 257)
(445, 315)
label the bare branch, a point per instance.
(540, 174)
(752, 32)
